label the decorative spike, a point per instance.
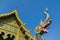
(41, 23)
(46, 15)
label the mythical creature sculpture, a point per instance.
(41, 29)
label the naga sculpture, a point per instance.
(42, 28)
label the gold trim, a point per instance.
(22, 24)
(10, 13)
(8, 30)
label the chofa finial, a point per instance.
(44, 24)
(46, 14)
(42, 28)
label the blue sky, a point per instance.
(32, 11)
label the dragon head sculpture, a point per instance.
(42, 28)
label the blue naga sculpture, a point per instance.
(42, 28)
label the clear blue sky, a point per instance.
(32, 11)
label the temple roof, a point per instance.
(13, 13)
(20, 23)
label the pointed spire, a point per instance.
(41, 23)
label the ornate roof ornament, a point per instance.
(46, 15)
(42, 28)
